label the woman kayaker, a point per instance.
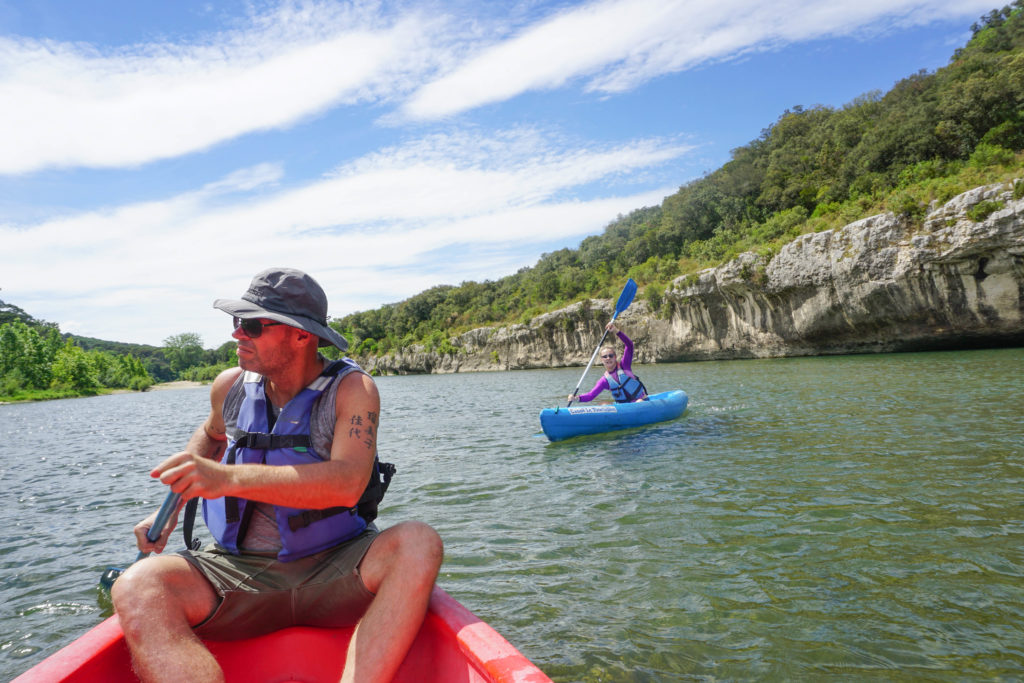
(618, 376)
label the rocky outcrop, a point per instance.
(884, 283)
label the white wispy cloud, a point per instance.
(405, 215)
(70, 104)
(616, 45)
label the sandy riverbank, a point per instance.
(176, 385)
(106, 392)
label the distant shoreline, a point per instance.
(163, 386)
(182, 384)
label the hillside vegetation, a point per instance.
(932, 136)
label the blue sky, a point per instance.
(154, 156)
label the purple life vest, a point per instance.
(286, 442)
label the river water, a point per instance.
(839, 518)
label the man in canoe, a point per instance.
(618, 377)
(285, 464)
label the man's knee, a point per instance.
(135, 586)
(166, 584)
(412, 550)
(421, 542)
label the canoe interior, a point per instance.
(453, 646)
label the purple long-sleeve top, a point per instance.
(626, 363)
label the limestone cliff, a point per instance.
(884, 283)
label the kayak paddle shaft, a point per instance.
(153, 533)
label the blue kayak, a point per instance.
(565, 423)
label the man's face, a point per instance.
(262, 349)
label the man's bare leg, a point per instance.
(158, 600)
(400, 568)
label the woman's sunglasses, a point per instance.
(252, 327)
(608, 355)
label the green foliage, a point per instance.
(10, 313)
(825, 208)
(125, 371)
(36, 362)
(438, 342)
(366, 347)
(905, 204)
(654, 298)
(924, 171)
(983, 210)
(206, 373)
(152, 357)
(784, 224)
(28, 354)
(72, 369)
(183, 351)
(986, 155)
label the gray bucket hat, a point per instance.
(287, 296)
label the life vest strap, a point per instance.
(307, 517)
(189, 523)
(365, 508)
(260, 442)
(627, 395)
(264, 442)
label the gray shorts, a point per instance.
(259, 594)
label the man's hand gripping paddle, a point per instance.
(625, 299)
(166, 510)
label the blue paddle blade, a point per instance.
(626, 298)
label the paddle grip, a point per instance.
(166, 510)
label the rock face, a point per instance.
(884, 283)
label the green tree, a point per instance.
(183, 351)
(27, 354)
(119, 371)
(225, 353)
(72, 369)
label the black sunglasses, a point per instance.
(252, 327)
(608, 355)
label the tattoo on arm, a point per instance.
(206, 445)
(217, 450)
(364, 430)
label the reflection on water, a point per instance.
(853, 517)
